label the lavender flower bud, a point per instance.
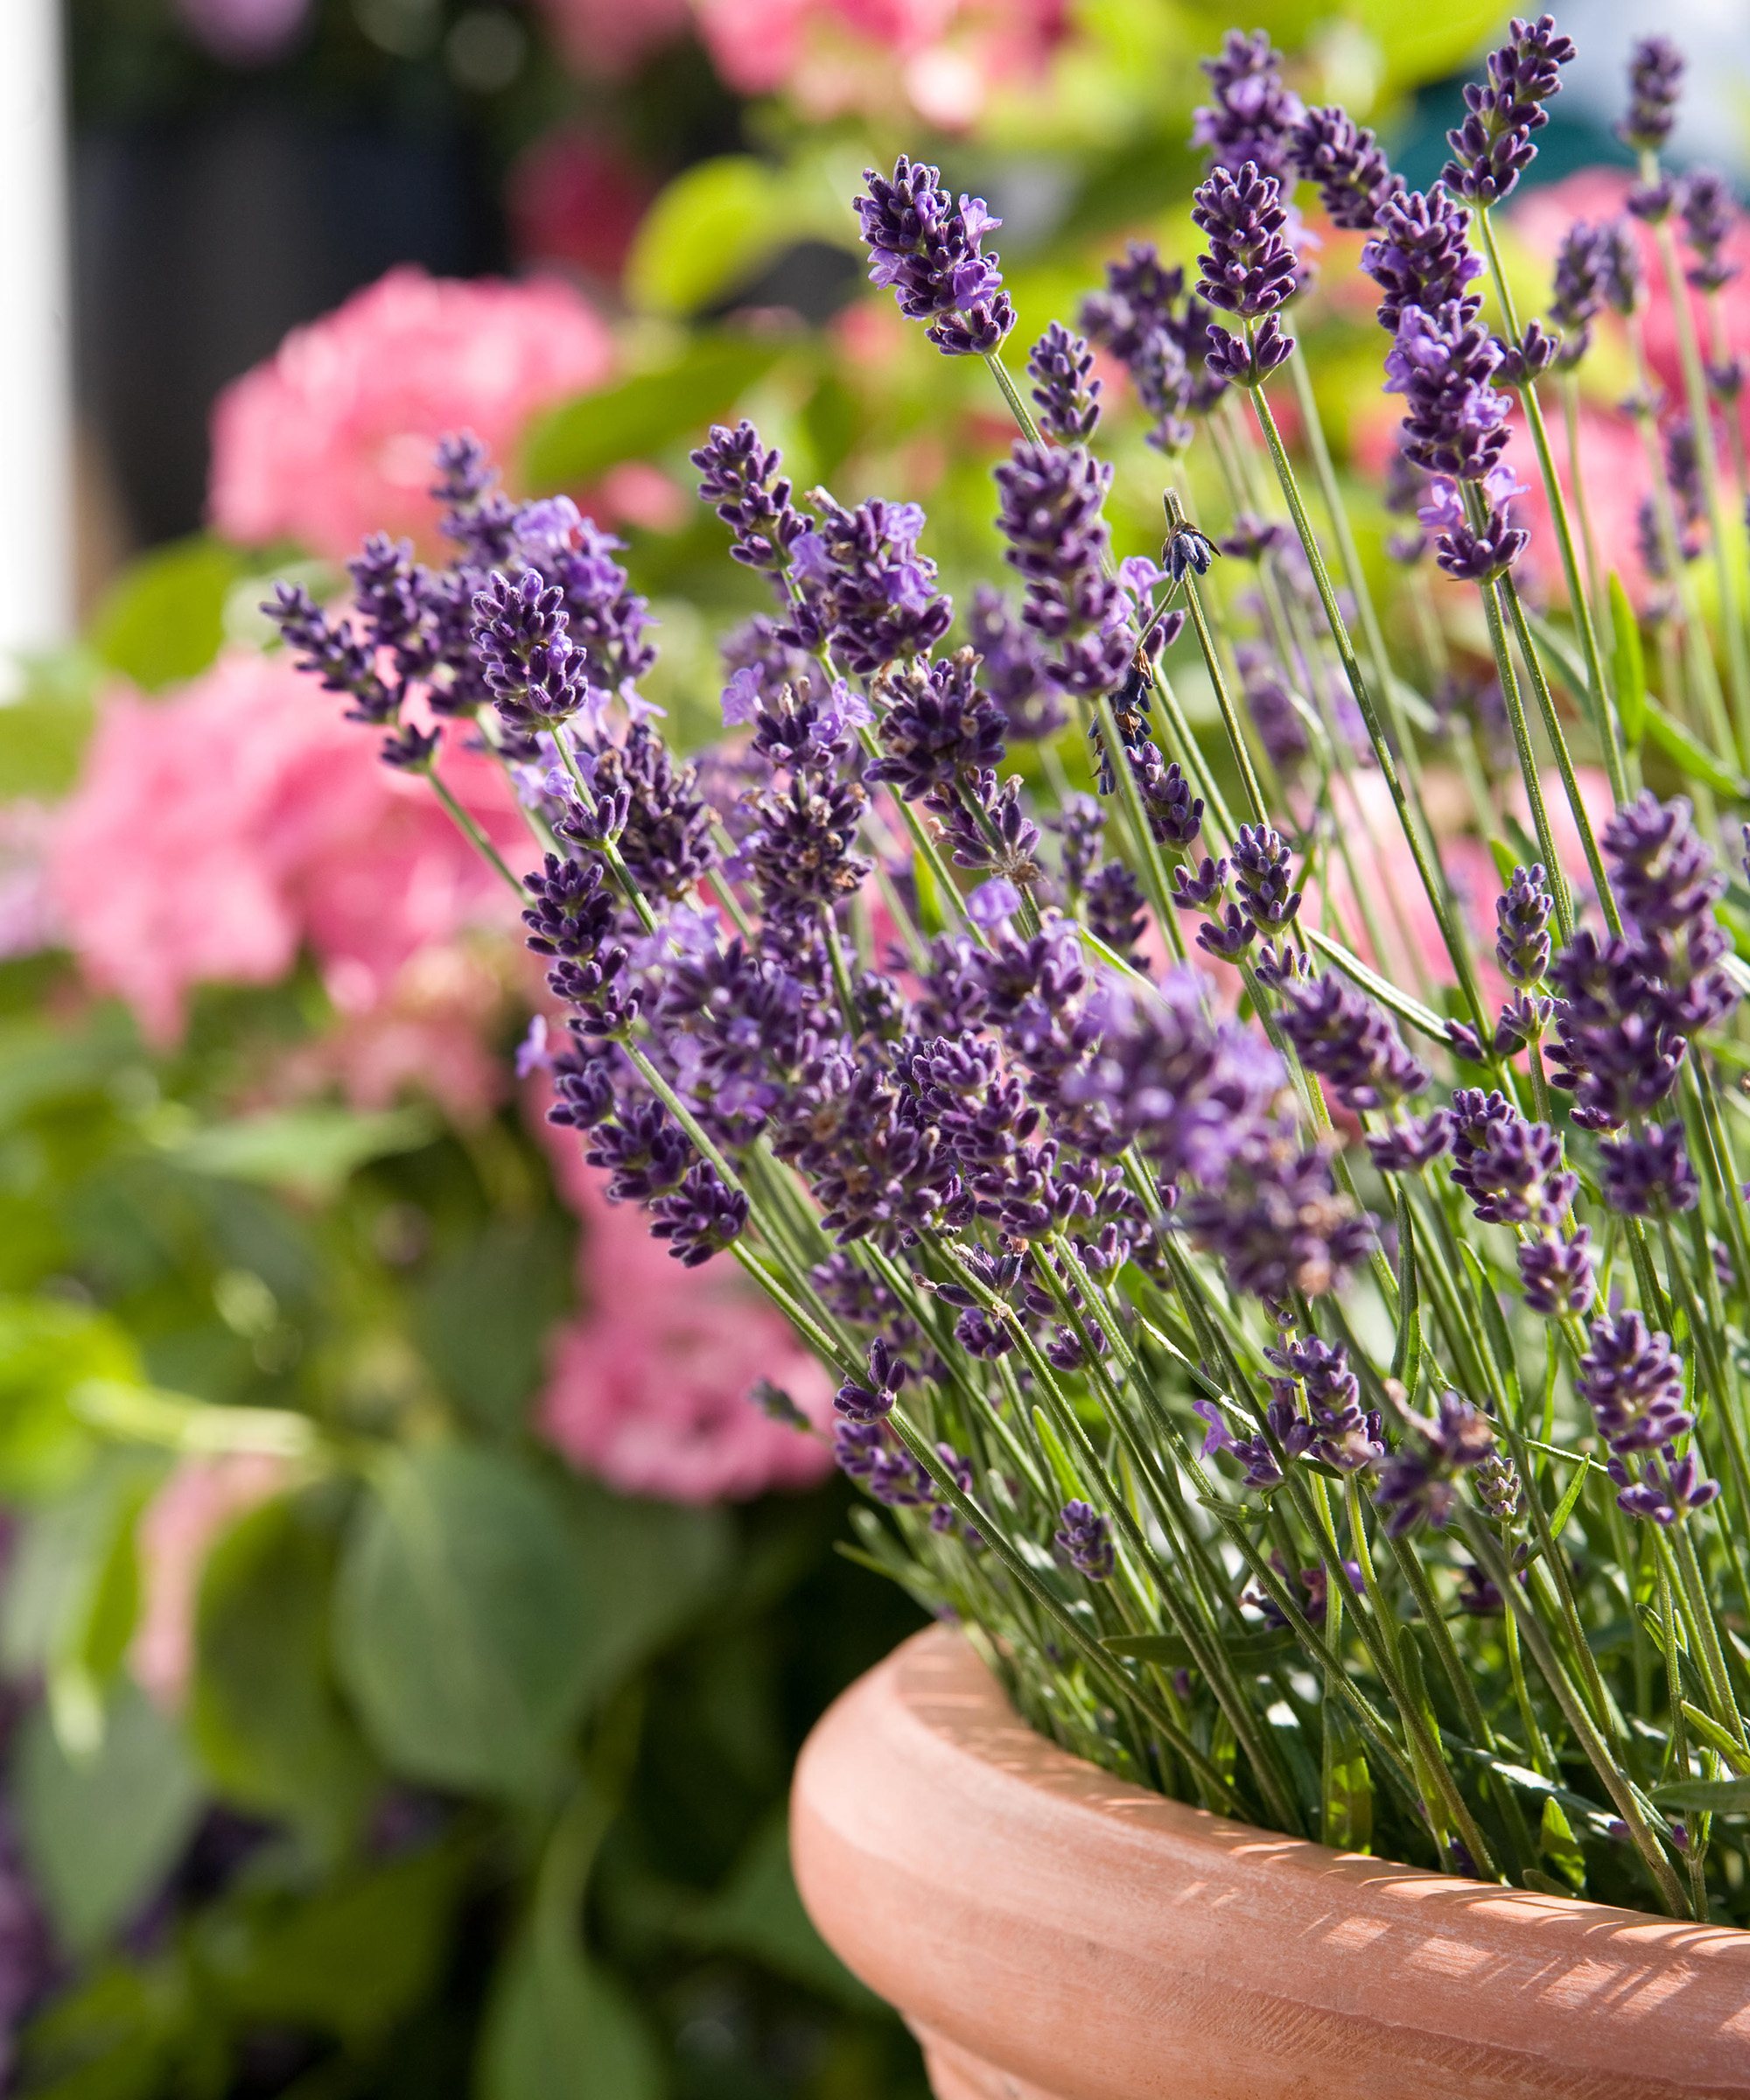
(1114, 908)
(1559, 1276)
(1632, 1384)
(1242, 364)
(929, 252)
(535, 677)
(863, 587)
(1522, 943)
(1262, 872)
(1620, 267)
(1418, 1482)
(1248, 268)
(1442, 364)
(934, 725)
(1355, 180)
(701, 1217)
(1347, 1040)
(1510, 1169)
(1083, 1539)
(1710, 214)
(1493, 147)
(1253, 115)
(1013, 668)
(1421, 256)
(1410, 1146)
(1067, 398)
(1655, 71)
(1580, 290)
(739, 477)
(1050, 513)
(1649, 1176)
(645, 1152)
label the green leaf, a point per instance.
(1557, 1842)
(560, 2028)
(309, 1152)
(649, 1569)
(1685, 750)
(462, 1629)
(709, 230)
(1564, 1508)
(1628, 666)
(163, 617)
(1718, 1796)
(1506, 860)
(1246, 1651)
(577, 443)
(758, 1913)
(44, 731)
(41, 1064)
(483, 1316)
(1406, 1363)
(1715, 1737)
(47, 1348)
(265, 1713)
(351, 1961)
(100, 1832)
(1347, 1785)
(1495, 1326)
(1545, 1885)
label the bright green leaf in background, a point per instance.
(709, 230)
(47, 1347)
(308, 1151)
(1628, 668)
(101, 1832)
(164, 617)
(649, 1567)
(463, 1623)
(577, 443)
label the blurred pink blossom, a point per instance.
(607, 39)
(649, 1389)
(243, 32)
(943, 56)
(181, 1524)
(28, 920)
(214, 834)
(332, 438)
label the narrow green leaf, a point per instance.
(1628, 665)
(1715, 1737)
(1684, 749)
(1406, 1363)
(1495, 1326)
(1506, 860)
(1407, 1009)
(1060, 1465)
(1718, 1796)
(1564, 1508)
(1348, 1817)
(1245, 1651)
(1545, 1885)
(1557, 1842)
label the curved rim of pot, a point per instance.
(1081, 1938)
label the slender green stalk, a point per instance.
(471, 831)
(1528, 761)
(1605, 725)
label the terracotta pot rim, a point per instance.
(1085, 1939)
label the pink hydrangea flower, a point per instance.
(214, 834)
(332, 439)
(181, 1524)
(607, 39)
(649, 1389)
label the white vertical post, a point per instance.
(36, 380)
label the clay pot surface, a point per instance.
(1051, 1933)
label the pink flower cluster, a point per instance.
(216, 833)
(945, 56)
(332, 438)
(649, 1389)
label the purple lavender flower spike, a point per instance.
(1522, 942)
(1147, 321)
(1443, 365)
(1354, 177)
(739, 477)
(1013, 668)
(701, 1217)
(1632, 1384)
(1421, 256)
(1624, 281)
(1196, 893)
(535, 677)
(935, 725)
(1083, 1539)
(1335, 1428)
(644, 1150)
(1116, 910)
(863, 587)
(1279, 1225)
(1411, 1146)
(1051, 514)
(1559, 1276)
(929, 251)
(1253, 115)
(1345, 1039)
(1510, 1169)
(1262, 873)
(1649, 1176)
(1710, 214)
(478, 515)
(1578, 295)
(1248, 268)
(1067, 396)
(1493, 147)
(1665, 1494)
(1418, 1482)
(1655, 72)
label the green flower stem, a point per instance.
(1536, 1748)
(1564, 764)
(724, 889)
(469, 829)
(1230, 721)
(1489, 1555)
(1605, 725)
(1734, 426)
(1703, 1630)
(1707, 457)
(1702, 678)
(1596, 598)
(1103, 1666)
(1349, 556)
(1528, 760)
(1017, 408)
(1425, 866)
(1154, 867)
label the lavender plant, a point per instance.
(1347, 1436)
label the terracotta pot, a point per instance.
(1054, 1934)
